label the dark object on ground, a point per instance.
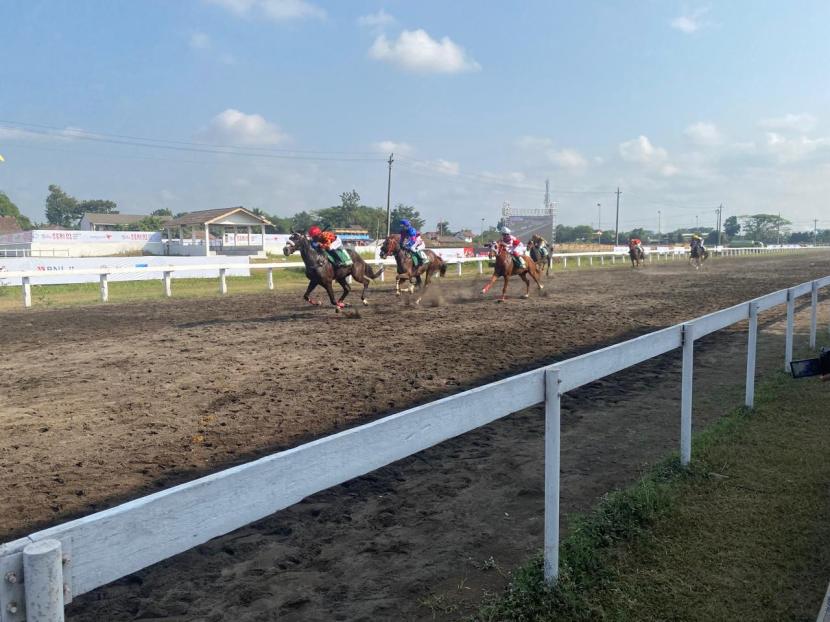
(812, 367)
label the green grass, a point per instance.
(742, 534)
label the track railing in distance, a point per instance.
(75, 557)
(27, 276)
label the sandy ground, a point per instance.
(104, 403)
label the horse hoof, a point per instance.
(365, 303)
(397, 293)
(417, 302)
(525, 296)
(541, 286)
(501, 300)
(483, 291)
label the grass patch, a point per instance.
(743, 534)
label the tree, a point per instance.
(281, 225)
(443, 228)
(301, 221)
(96, 206)
(61, 209)
(162, 212)
(583, 233)
(402, 211)
(731, 227)
(764, 227)
(7, 208)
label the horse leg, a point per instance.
(346, 289)
(535, 277)
(311, 285)
(365, 280)
(427, 274)
(330, 292)
(523, 276)
(487, 287)
(504, 289)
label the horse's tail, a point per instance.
(443, 268)
(374, 275)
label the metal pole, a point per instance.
(686, 395)
(813, 313)
(389, 195)
(552, 468)
(751, 347)
(43, 576)
(617, 222)
(788, 347)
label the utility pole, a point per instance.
(815, 231)
(779, 228)
(617, 222)
(599, 217)
(388, 196)
(659, 224)
(720, 221)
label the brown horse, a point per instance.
(406, 267)
(320, 271)
(637, 255)
(505, 268)
(697, 256)
(541, 256)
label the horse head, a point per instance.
(295, 240)
(389, 247)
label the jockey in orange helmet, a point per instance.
(330, 245)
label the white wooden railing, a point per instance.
(30, 277)
(45, 570)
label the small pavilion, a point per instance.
(194, 229)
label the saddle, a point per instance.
(418, 258)
(338, 258)
(519, 262)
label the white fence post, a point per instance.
(481, 267)
(27, 292)
(270, 278)
(168, 290)
(788, 344)
(813, 313)
(43, 581)
(686, 395)
(751, 346)
(579, 262)
(223, 282)
(602, 260)
(591, 260)
(564, 263)
(459, 268)
(552, 457)
(382, 274)
(105, 290)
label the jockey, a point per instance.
(514, 245)
(541, 243)
(411, 241)
(635, 243)
(330, 245)
(696, 241)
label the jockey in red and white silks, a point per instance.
(514, 244)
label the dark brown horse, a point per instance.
(637, 255)
(320, 271)
(407, 271)
(541, 256)
(505, 268)
(697, 256)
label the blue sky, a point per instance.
(683, 105)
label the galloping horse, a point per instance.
(697, 256)
(407, 271)
(505, 268)
(543, 260)
(319, 271)
(637, 255)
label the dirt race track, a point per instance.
(108, 402)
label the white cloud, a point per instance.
(447, 167)
(378, 20)
(567, 158)
(276, 10)
(690, 22)
(534, 142)
(703, 133)
(237, 128)
(390, 146)
(794, 149)
(415, 50)
(642, 151)
(199, 41)
(790, 122)
(669, 170)
(68, 133)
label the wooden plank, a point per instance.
(116, 542)
(771, 300)
(594, 365)
(720, 319)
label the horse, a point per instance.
(406, 267)
(543, 260)
(697, 256)
(637, 255)
(320, 271)
(505, 268)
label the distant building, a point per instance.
(465, 235)
(108, 222)
(353, 234)
(8, 224)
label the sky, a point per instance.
(284, 104)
